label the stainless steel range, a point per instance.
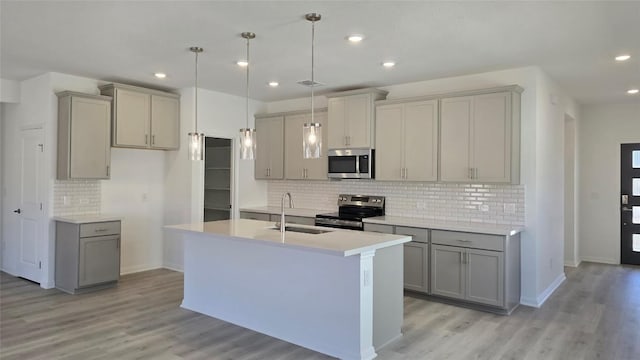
(351, 210)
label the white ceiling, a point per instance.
(127, 41)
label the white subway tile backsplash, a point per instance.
(76, 197)
(457, 202)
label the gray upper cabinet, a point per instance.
(480, 137)
(165, 127)
(84, 150)
(144, 118)
(296, 166)
(407, 141)
(351, 118)
(269, 162)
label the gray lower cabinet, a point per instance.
(87, 255)
(290, 219)
(478, 268)
(254, 216)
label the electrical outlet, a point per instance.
(484, 207)
(509, 208)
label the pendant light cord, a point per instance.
(247, 97)
(313, 84)
(196, 97)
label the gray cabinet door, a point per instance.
(485, 276)
(90, 138)
(416, 265)
(165, 122)
(131, 119)
(99, 260)
(447, 271)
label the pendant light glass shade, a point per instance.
(196, 139)
(196, 146)
(247, 144)
(312, 132)
(312, 140)
(247, 135)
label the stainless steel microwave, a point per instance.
(351, 163)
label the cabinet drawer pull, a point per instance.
(102, 230)
(466, 241)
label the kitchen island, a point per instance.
(338, 292)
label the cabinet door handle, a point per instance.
(406, 173)
(470, 173)
(153, 139)
(146, 139)
(475, 173)
(108, 170)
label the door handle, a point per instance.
(153, 139)
(17, 211)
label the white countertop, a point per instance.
(465, 226)
(289, 211)
(85, 219)
(335, 241)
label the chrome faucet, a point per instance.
(282, 209)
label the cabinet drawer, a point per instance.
(470, 240)
(100, 228)
(417, 234)
(387, 229)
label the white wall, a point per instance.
(542, 143)
(2, 189)
(9, 91)
(602, 129)
(571, 245)
(219, 115)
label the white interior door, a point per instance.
(30, 204)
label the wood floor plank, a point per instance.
(595, 314)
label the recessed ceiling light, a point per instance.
(632, 91)
(273, 83)
(355, 38)
(242, 63)
(160, 75)
(388, 64)
(623, 57)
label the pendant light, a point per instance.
(247, 135)
(196, 139)
(312, 131)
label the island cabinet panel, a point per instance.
(87, 256)
(416, 254)
(296, 166)
(144, 118)
(480, 138)
(84, 149)
(351, 118)
(485, 275)
(269, 161)
(407, 141)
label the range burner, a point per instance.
(351, 210)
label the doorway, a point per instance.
(570, 239)
(217, 179)
(30, 210)
(630, 204)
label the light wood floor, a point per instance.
(595, 314)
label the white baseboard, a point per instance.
(574, 263)
(138, 268)
(174, 267)
(600, 260)
(539, 300)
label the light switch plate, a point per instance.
(510, 208)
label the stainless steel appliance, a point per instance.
(351, 163)
(351, 210)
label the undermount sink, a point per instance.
(301, 229)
